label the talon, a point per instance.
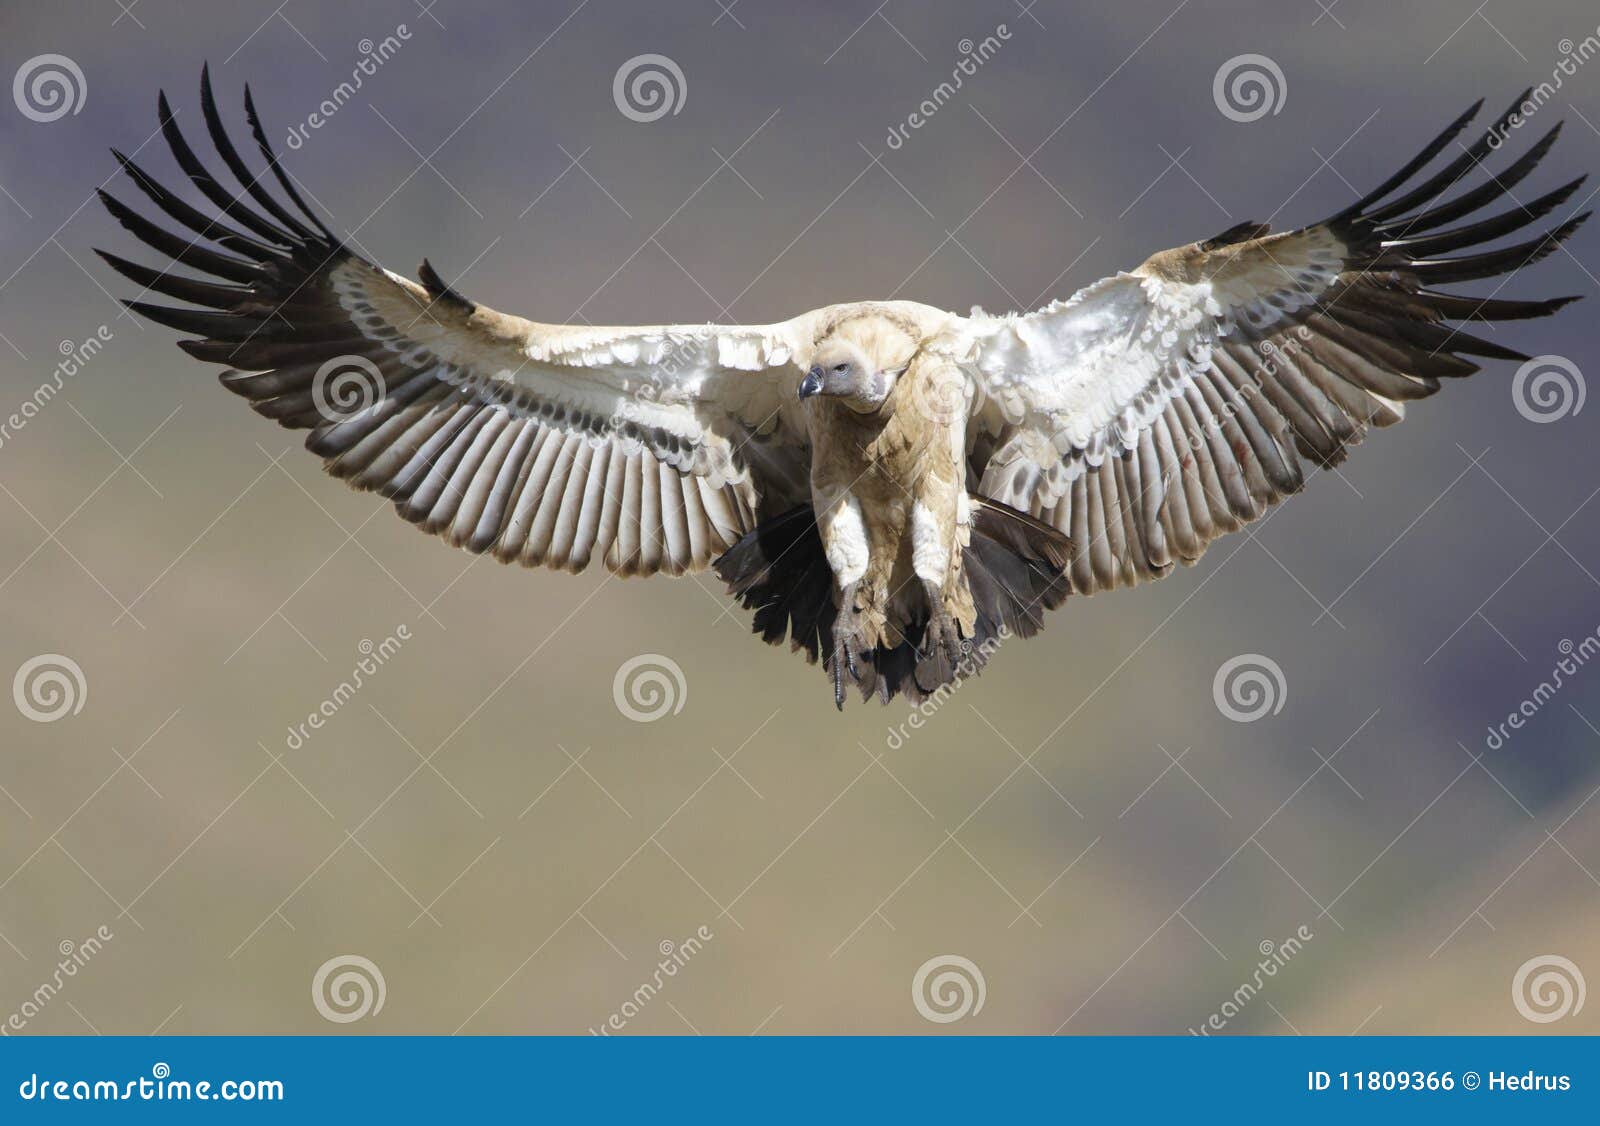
(955, 648)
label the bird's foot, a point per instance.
(852, 653)
(942, 635)
(942, 648)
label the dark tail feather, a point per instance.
(1017, 569)
(779, 571)
(1015, 566)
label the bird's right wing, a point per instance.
(1156, 410)
(653, 448)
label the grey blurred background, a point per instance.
(484, 825)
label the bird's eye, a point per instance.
(841, 367)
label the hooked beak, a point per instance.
(811, 384)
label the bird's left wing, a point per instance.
(1157, 410)
(651, 448)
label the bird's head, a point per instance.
(857, 361)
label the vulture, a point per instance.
(889, 487)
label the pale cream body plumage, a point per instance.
(888, 486)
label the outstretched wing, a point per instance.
(1155, 411)
(652, 448)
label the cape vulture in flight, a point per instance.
(889, 486)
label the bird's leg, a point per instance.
(851, 645)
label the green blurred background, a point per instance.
(484, 824)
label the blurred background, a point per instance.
(1107, 832)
